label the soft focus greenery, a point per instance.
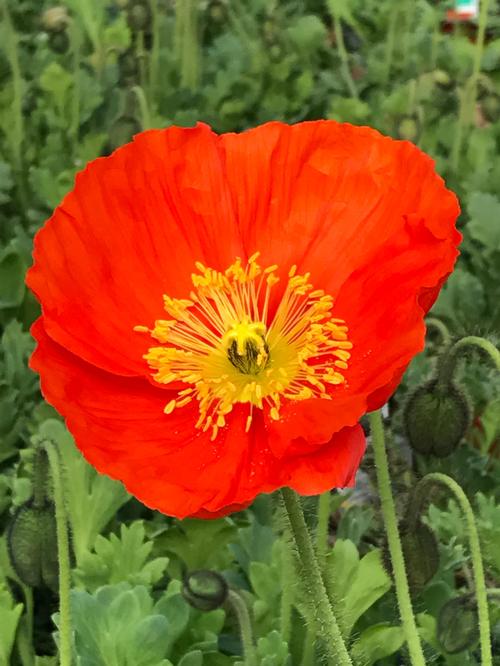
(79, 79)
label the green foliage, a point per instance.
(124, 558)
(72, 94)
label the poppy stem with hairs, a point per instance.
(326, 622)
(65, 647)
(241, 610)
(421, 492)
(394, 542)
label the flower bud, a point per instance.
(490, 106)
(32, 544)
(138, 16)
(204, 589)
(408, 128)
(442, 79)
(55, 19)
(436, 418)
(421, 553)
(457, 626)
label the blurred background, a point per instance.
(78, 79)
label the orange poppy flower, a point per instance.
(219, 311)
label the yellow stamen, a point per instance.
(224, 347)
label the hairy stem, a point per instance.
(241, 610)
(65, 632)
(394, 541)
(421, 493)
(326, 622)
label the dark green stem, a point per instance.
(326, 622)
(421, 495)
(241, 611)
(394, 542)
(287, 590)
(433, 322)
(65, 631)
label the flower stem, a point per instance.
(394, 542)
(421, 493)
(433, 322)
(326, 622)
(322, 529)
(449, 360)
(241, 610)
(344, 58)
(286, 591)
(65, 632)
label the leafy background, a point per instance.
(79, 79)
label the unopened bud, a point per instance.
(204, 589)
(490, 106)
(408, 129)
(421, 553)
(457, 626)
(138, 16)
(32, 545)
(443, 79)
(436, 417)
(55, 19)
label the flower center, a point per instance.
(221, 347)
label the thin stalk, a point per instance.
(448, 361)
(390, 41)
(322, 529)
(344, 58)
(241, 611)
(469, 93)
(394, 542)
(154, 62)
(475, 549)
(75, 41)
(326, 622)
(65, 632)
(309, 647)
(287, 577)
(433, 322)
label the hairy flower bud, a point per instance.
(204, 589)
(408, 128)
(32, 544)
(457, 625)
(421, 553)
(436, 418)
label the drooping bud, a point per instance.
(32, 544)
(204, 589)
(138, 16)
(421, 553)
(408, 128)
(31, 536)
(436, 418)
(457, 625)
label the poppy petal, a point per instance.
(128, 233)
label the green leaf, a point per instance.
(462, 300)
(12, 270)
(359, 583)
(57, 83)
(484, 225)
(194, 658)
(124, 558)
(377, 642)
(9, 619)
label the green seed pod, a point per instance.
(32, 545)
(436, 418)
(408, 128)
(421, 553)
(457, 626)
(204, 589)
